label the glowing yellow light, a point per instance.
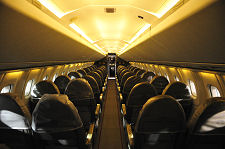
(52, 7)
(140, 32)
(123, 49)
(101, 50)
(77, 29)
(166, 7)
(14, 74)
(209, 75)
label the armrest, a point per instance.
(121, 97)
(97, 110)
(130, 135)
(103, 89)
(118, 88)
(124, 109)
(101, 97)
(90, 134)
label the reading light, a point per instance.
(77, 29)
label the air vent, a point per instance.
(110, 10)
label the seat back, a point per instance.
(124, 78)
(56, 122)
(61, 82)
(81, 95)
(74, 75)
(160, 82)
(140, 72)
(41, 88)
(129, 84)
(138, 96)
(15, 120)
(148, 76)
(180, 92)
(159, 124)
(82, 72)
(97, 78)
(94, 85)
(207, 125)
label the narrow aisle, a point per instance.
(110, 136)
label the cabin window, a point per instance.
(28, 87)
(72, 77)
(176, 78)
(167, 77)
(214, 92)
(7, 89)
(192, 88)
(45, 78)
(54, 77)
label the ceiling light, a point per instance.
(101, 50)
(166, 7)
(52, 7)
(77, 29)
(139, 33)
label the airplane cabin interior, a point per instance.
(112, 74)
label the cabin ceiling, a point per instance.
(199, 38)
(110, 31)
(166, 30)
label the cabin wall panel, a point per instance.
(24, 40)
(196, 39)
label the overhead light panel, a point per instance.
(77, 29)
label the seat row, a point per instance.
(158, 114)
(64, 113)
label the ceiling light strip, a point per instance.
(77, 29)
(52, 7)
(139, 33)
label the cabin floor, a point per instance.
(111, 133)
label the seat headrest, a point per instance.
(148, 76)
(14, 114)
(61, 82)
(44, 87)
(130, 83)
(177, 90)
(82, 72)
(160, 82)
(140, 93)
(209, 118)
(55, 113)
(87, 70)
(79, 89)
(161, 114)
(97, 77)
(74, 75)
(91, 80)
(140, 72)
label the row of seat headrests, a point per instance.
(145, 89)
(62, 113)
